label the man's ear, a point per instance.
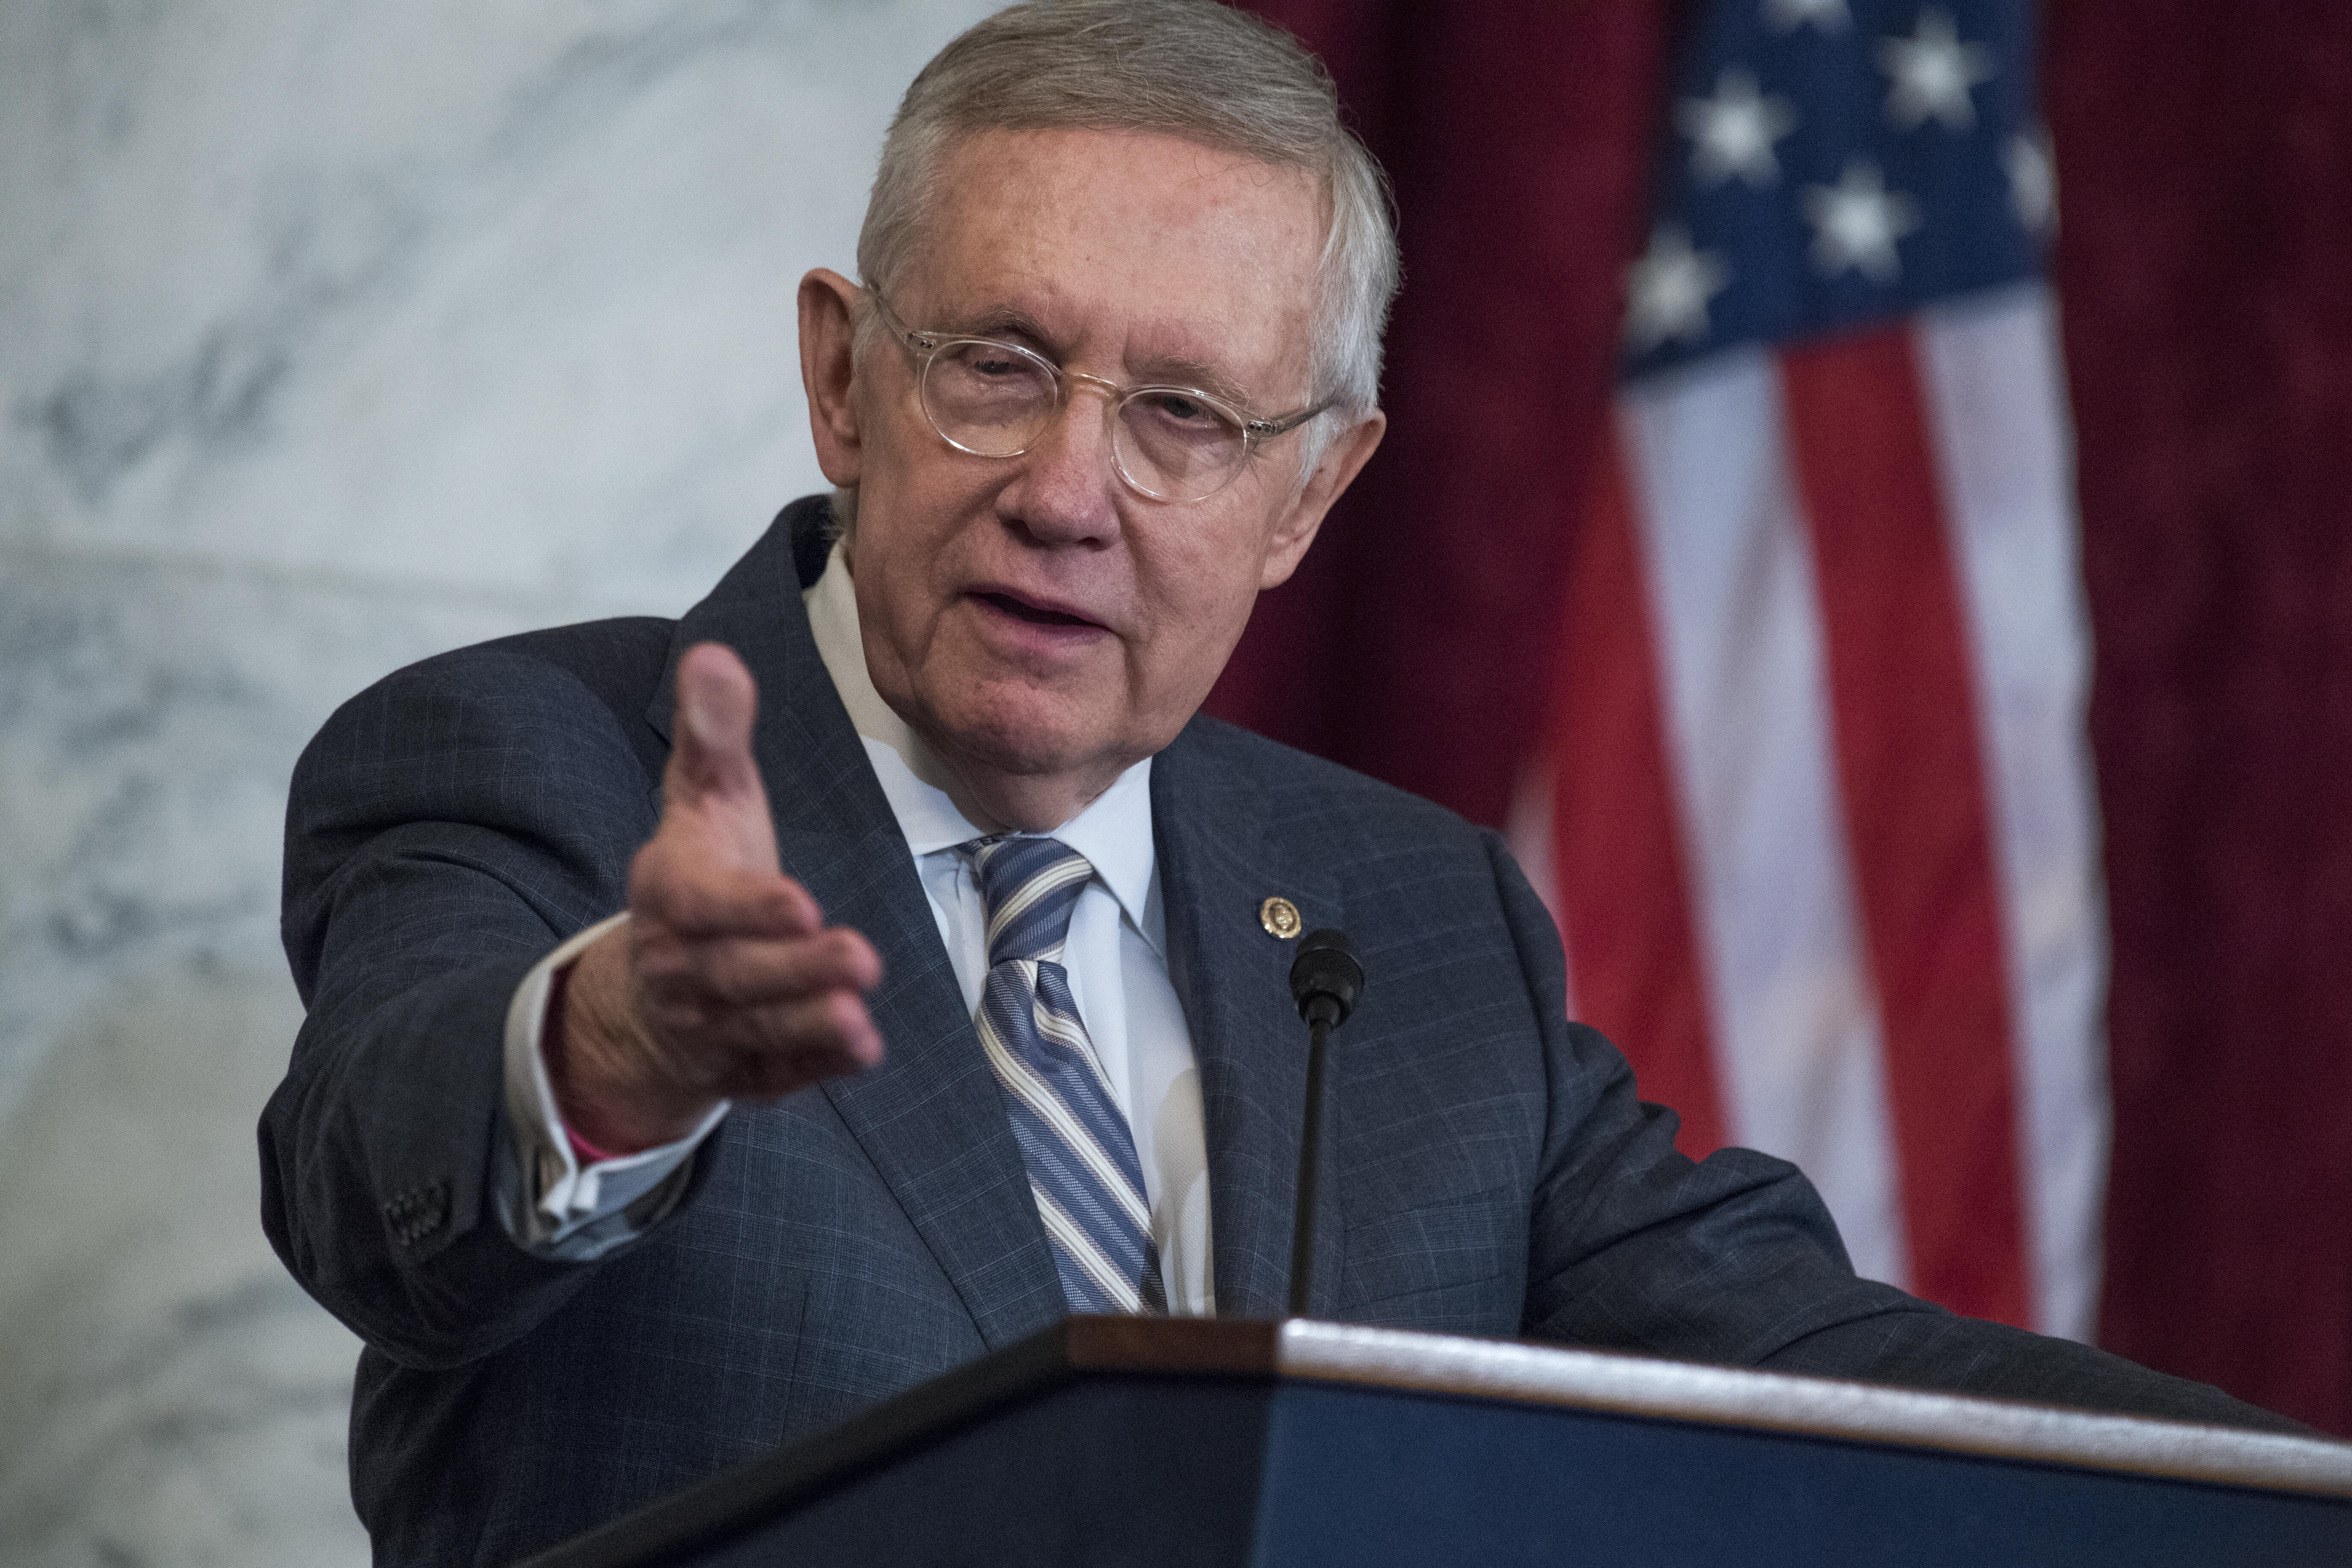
(1341, 460)
(828, 304)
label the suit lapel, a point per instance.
(930, 1118)
(1218, 862)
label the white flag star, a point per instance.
(1788, 15)
(1933, 73)
(1857, 221)
(1732, 132)
(1668, 289)
(2032, 182)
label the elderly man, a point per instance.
(717, 1027)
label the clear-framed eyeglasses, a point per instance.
(996, 400)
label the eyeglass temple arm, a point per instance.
(1267, 429)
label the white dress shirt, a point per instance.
(1116, 955)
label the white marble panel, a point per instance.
(168, 1395)
(150, 716)
(331, 335)
(464, 292)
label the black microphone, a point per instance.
(1325, 978)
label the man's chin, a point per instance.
(1017, 748)
(1039, 749)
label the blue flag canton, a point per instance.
(1834, 163)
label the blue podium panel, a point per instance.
(1182, 1444)
(1356, 1476)
(1108, 1470)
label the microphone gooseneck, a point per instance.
(1325, 978)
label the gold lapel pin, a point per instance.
(1280, 918)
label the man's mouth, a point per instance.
(1035, 615)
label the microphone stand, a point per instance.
(1325, 979)
(1302, 1226)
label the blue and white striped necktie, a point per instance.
(1081, 1156)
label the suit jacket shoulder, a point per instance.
(482, 735)
(1301, 790)
(475, 736)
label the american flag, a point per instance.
(1815, 812)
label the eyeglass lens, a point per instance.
(993, 400)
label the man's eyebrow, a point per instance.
(1015, 324)
(999, 321)
(1174, 370)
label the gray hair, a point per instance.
(1190, 69)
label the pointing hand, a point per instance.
(726, 981)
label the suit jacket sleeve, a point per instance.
(1735, 1259)
(445, 829)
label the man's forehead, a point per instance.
(1182, 250)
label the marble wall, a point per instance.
(331, 335)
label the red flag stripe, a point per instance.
(1911, 772)
(1616, 845)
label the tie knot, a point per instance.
(1028, 887)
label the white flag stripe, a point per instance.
(1073, 1239)
(1997, 418)
(1040, 1099)
(1728, 563)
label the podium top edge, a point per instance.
(1607, 1382)
(1627, 1385)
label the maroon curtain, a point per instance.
(1416, 641)
(2205, 273)
(2205, 270)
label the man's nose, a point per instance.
(1068, 489)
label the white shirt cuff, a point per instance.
(563, 1201)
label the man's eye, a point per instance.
(1180, 410)
(997, 366)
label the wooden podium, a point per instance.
(1112, 1441)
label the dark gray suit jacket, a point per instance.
(1492, 1175)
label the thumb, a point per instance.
(711, 774)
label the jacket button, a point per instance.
(417, 1213)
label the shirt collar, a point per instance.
(1114, 831)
